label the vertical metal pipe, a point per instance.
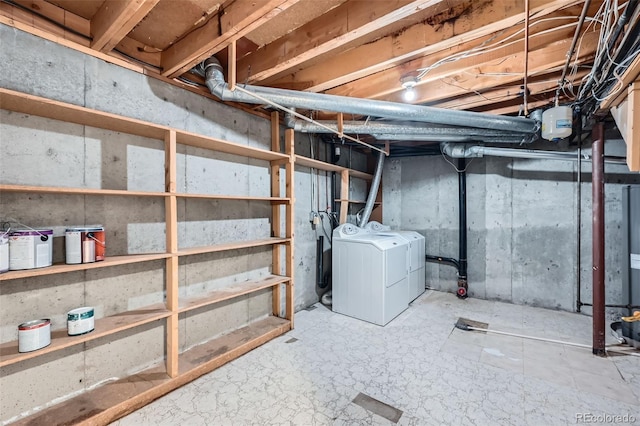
(526, 57)
(579, 217)
(597, 137)
(462, 238)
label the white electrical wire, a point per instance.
(484, 48)
(454, 166)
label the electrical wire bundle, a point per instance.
(618, 46)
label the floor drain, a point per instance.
(293, 339)
(378, 407)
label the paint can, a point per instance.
(80, 321)
(34, 335)
(4, 252)
(30, 248)
(84, 244)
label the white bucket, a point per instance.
(4, 253)
(80, 321)
(30, 248)
(84, 244)
(34, 335)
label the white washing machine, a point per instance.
(370, 276)
(416, 256)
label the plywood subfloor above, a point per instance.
(169, 21)
(85, 8)
(292, 18)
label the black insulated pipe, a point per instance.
(320, 281)
(444, 260)
(461, 263)
(462, 238)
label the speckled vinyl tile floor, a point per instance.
(418, 370)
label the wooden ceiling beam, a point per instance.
(46, 16)
(388, 82)
(537, 86)
(492, 74)
(344, 24)
(236, 21)
(75, 28)
(57, 14)
(115, 19)
(483, 19)
(512, 107)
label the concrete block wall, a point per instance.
(38, 151)
(522, 225)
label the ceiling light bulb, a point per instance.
(408, 82)
(409, 94)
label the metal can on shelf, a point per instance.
(34, 335)
(30, 248)
(4, 252)
(80, 321)
(85, 244)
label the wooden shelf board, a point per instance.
(127, 193)
(199, 141)
(218, 352)
(376, 203)
(321, 165)
(103, 327)
(273, 200)
(116, 399)
(79, 191)
(61, 268)
(35, 105)
(231, 246)
(231, 292)
(360, 175)
(317, 164)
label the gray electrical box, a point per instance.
(631, 257)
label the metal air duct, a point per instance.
(476, 151)
(214, 79)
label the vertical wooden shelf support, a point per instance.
(290, 260)
(344, 196)
(231, 68)
(276, 266)
(172, 279)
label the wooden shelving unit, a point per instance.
(104, 327)
(230, 292)
(231, 246)
(113, 400)
(121, 397)
(126, 193)
(63, 268)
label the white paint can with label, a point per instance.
(30, 248)
(4, 252)
(34, 335)
(84, 244)
(80, 321)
